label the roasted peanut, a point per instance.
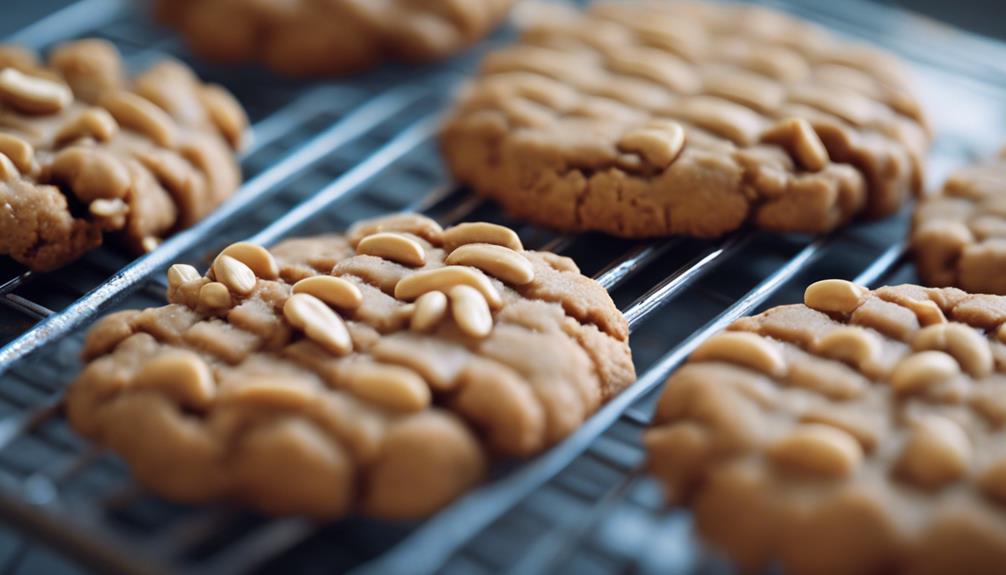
(179, 274)
(743, 348)
(394, 247)
(335, 291)
(470, 311)
(234, 274)
(658, 144)
(94, 123)
(503, 263)
(442, 279)
(964, 343)
(922, 370)
(836, 296)
(142, 115)
(18, 151)
(389, 386)
(180, 374)
(215, 295)
(31, 94)
(255, 257)
(431, 307)
(850, 344)
(937, 452)
(481, 233)
(802, 142)
(818, 449)
(322, 325)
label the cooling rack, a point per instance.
(327, 154)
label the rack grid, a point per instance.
(327, 154)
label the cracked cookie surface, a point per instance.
(860, 432)
(308, 37)
(650, 119)
(959, 234)
(86, 151)
(376, 371)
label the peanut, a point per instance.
(836, 296)
(802, 142)
(470, 310)
(430, 309)
(18, 151)
(335, 291)
(394, 247)
(481, 233)
(743, 348)
(389, 386)
(215, 295)
(179, 374)
(964, 343)
(179, 274)
(255, 257)
(503, 263)
(322, 325)
(658, 144)
(442, 279)
(818, 449)
(922, 370)
(137, 113)
(937, 452)
(33, 95)
(103, 208)
(850, 344)
(234, 274)
(94, 123)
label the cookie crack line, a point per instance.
(856, 408)
(575, 129)
(377, 371)
(86, 151)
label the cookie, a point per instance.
(959, 234)
(86, 151)
(861, 432)
(377, 371)
(307, 38)
(648, 119)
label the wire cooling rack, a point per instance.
(327, 154)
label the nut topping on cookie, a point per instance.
(395, 247)
(875, 446)
(81, 134)
(346, 382)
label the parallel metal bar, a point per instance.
(632, 261)
(26, 306)
(891, 257)
(661, 293)
(345, 130)
(409, 139)
(432, 543)
(68, 22)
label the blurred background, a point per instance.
(982, 16)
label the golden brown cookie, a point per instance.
(648, 119)
(959, 234)
(85, 151)
(309, 38)
(861, 432)
(376, 371)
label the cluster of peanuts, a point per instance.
(144, 157)
(903, 385)
(940, 361)
(493, 249)
(315, 302)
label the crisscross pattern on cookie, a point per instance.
(959, 234)
(306, 37)
(645, 118)
(340, 373)
(84, 151)
(860, 432)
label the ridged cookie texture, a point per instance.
(959, 234)
(377, 371)
(861, 432)
(310, 38)
(86, 151)
(657, 118)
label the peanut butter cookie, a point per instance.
(861, 432)
(308, 37)
(374, 372)
(959, 235)
(648, 119)
(84, 152)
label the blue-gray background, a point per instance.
(983, 16)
